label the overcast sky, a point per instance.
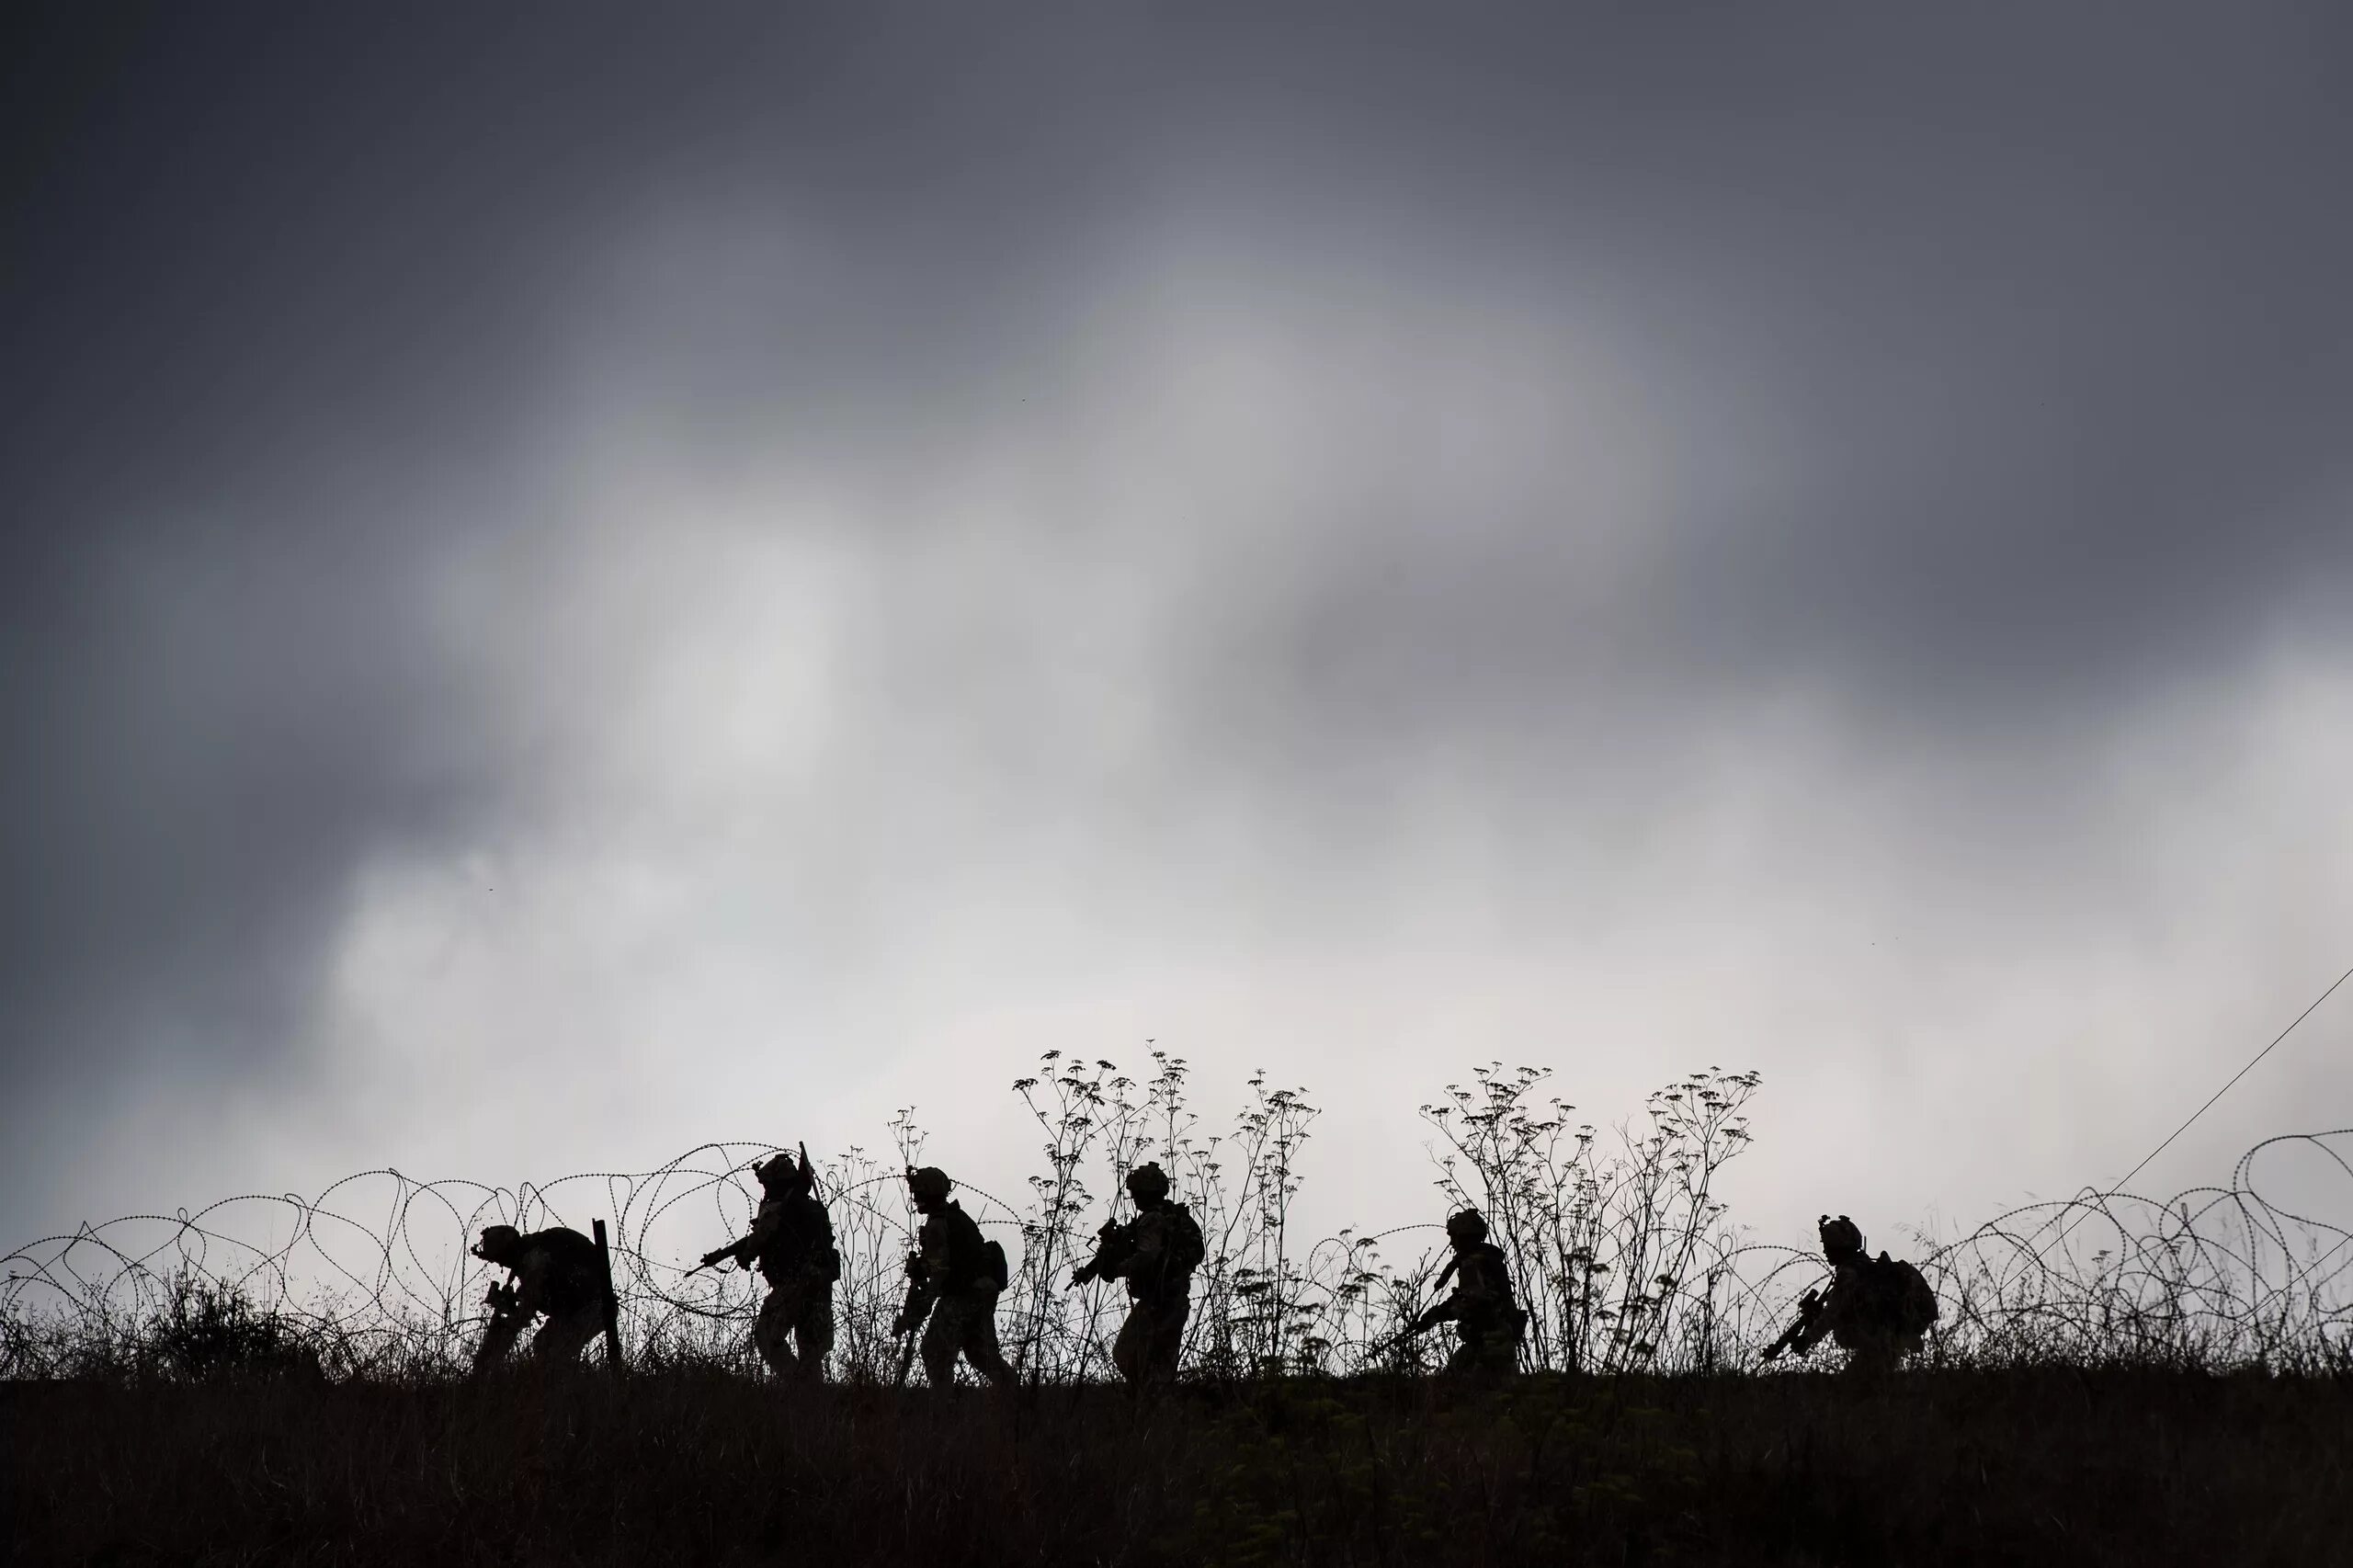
(578, 580)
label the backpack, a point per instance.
(1903, 1296)
(577, 1277)
(1186, 1249)
(1918, 1309)
(971, 1258)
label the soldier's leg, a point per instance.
(1482, 1349)
(813, 1330)
(1129, 1350)
(942, 1338)
(566, 1335)
(496, 1341)
(1169, 1338)
(979, 1339)
(771, 1332)
(1871, 1356)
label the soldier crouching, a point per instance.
(1487, 1321)
(1877, 1310)
(553, 1273)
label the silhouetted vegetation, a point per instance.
(2112, 1378)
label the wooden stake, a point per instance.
(612, 1303)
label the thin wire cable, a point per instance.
(2118, 1188)
(2241, 1072)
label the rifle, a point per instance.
(505, 1324)
(1426, 1322)
(1809, 1310)
(1113, 1245)
(720, 1254)
(906, 1317)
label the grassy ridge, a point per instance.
(2080, 1466)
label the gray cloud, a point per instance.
(860, 526)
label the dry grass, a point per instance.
(1976, 1467)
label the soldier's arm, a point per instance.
(1815, 1323)
(530, 1286)
(1146, 1253)
(762, 1234)
(938, 1258)
(1445, 1310)
(927, 1271)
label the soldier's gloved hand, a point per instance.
(1079, 1277)
(900, 1325)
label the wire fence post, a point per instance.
(612, 1302)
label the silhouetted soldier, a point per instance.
(791, 1240)
(554, 1272)
(1156, 1253)
(1487, 1321)
(955, 1278)
(1877, 1310)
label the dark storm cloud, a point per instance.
(283, 302)
(2024, 336)
(2009, 351)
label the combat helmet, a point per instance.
(1467, 1226)
(782, 1175)
(928, 1183)
(1148, 1183)
(1842, 1239)
(497, 1242)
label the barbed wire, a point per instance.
(371, 1276)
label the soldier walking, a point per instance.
(554, 1273)
(1487, 1321)
(791, 1240)
(953, 1282)
(1156, 1253)
(1877, 1310)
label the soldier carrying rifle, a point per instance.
(1156, 1253)
(954, 1280)
(791, 1240)
(1487, 1322)
(1877, 1310)
(557, 1273)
